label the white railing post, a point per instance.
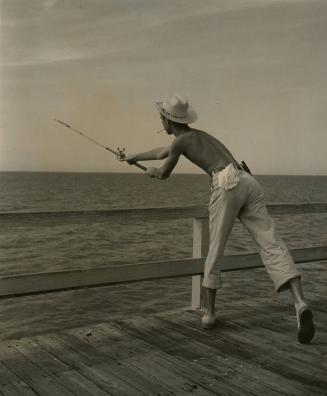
(200, 249)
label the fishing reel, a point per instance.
(121, 153)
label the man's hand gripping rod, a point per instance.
(118, 153)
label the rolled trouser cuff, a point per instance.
(212, 281)
(282, 284)
(279, 264)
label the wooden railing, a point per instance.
(108, 275)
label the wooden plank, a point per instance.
(297, 208)
(61, 280)
(70, 279)
(135, 353)
(36, 219)
(251, 365)
(206, 378)
(11, 384)
(128, 350)
(200, 249)
(41, 381)
(110, 339)
(262, 317)
(276, 342)
(272, 358)
(280, 333)
(115, 341)
(233, 368)
(180, 346)
(70, 378)
(169, 376)
(92, 364)
(23, 219)
(120, 349)
(253, 260)
(115, 348)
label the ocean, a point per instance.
(37, 249)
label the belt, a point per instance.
(220, 168)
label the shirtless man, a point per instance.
(235, 194)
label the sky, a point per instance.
(254, 70)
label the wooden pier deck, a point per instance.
(253, 350)
(123, 338)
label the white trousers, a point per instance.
(237, 194)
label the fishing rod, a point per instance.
(118, 153)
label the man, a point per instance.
(235, 194)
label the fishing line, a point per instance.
(117, 153)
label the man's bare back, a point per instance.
(203, 150)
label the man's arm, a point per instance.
(155, 154)
(175, 150)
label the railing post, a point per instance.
(200, 249)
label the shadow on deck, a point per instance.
(253, 351)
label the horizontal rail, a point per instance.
(23, 219)
(99, 216)
(83, 278)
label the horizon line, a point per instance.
(139, 173)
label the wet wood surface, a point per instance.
(252, 351)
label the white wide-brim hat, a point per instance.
(176, 108)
